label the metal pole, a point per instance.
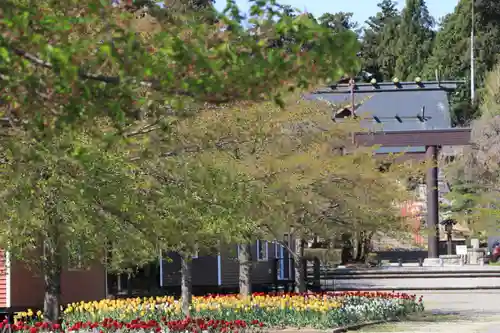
(352, 83)
(472, 60)
(432, 202)
(160, 259)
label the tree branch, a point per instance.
(46, 64)
(33, 59)
(197, 148)
(143, 130)
(155, 84)
(280, 242)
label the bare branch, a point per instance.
(220, 144)
(280, 242)
(33, 59)
(143, 130)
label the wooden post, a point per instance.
(432, 202)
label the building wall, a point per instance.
(262, 271)
(229, 266)
(27, 285)
(4, 277)
(204, 270)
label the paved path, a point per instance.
(452, 312)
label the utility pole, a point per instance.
(472, 64)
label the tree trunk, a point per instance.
(129, 284)
(347, 248)
(298, 263)
(357, 246)
(52, 269)
(186, 285)
(245, 260)
(361, 246)
(367, 242)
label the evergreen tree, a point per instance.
(451, 53)
(387, 12)
(415, 40)
(338, 22)
(379, 41)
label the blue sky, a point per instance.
(362, 9)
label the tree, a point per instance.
(475, 174)
(379, 41)
(415, 40)
(489, 10)
(305, 188)
(83, 85)
(69, 196)
(388, 11)
(451, 52)
(338, 22)
(201, 10)
(203, 204)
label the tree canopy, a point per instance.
(86, 84)
(182, 128)
(451, 53)
(379, 41)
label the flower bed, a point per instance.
(231, 313)
(137, 325)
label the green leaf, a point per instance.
(106, 49)
(4, 54)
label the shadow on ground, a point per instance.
(435, 316)
(431, 321)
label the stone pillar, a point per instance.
(474, 243)
(432, 201)
(474, 253)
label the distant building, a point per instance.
(22, 285)
(388, 106)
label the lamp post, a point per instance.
(448, 228)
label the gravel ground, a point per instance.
(452, 312)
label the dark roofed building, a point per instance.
(389, 106)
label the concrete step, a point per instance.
(406, 276)
(413, 284)
(412, 278)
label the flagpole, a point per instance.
(472, 60)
